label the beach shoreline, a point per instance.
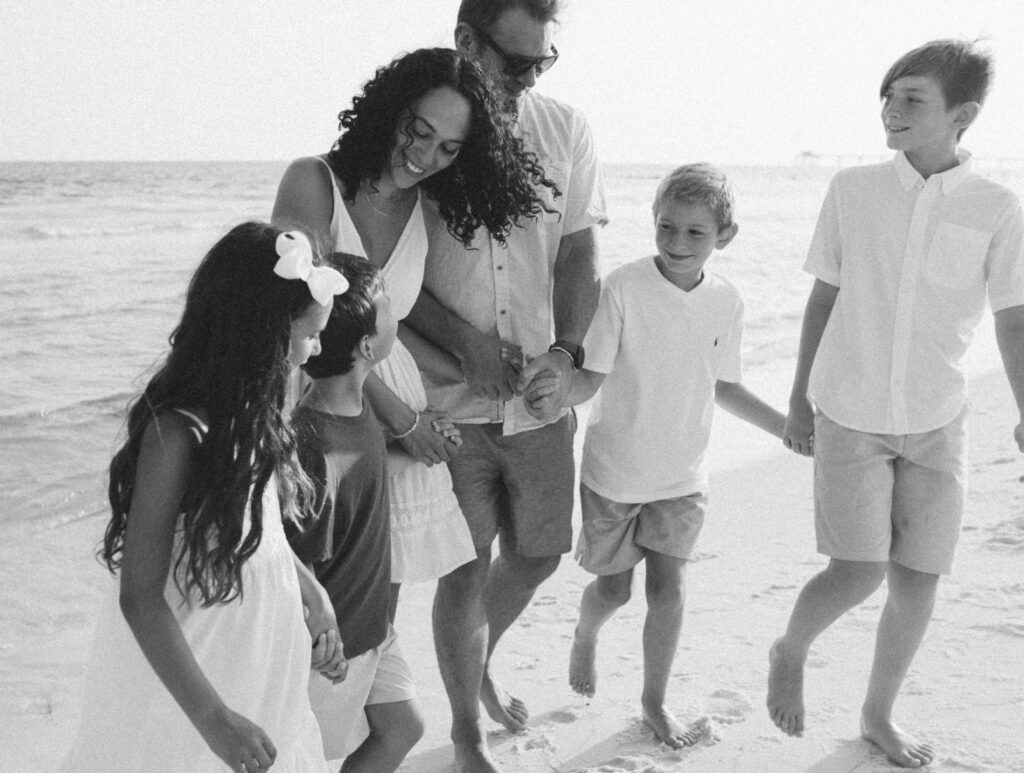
(756, 551)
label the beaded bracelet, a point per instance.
(415, 424)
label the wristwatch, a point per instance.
(574, 351)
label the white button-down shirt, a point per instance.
(506, 291)
(913, 259)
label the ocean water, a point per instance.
(96, 258)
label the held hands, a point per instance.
(798, 436)
(328, 651)
(491, 367)
(545, 383)
(242, 745)
(434, 440)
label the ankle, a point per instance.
(468, 731)
(789, 651)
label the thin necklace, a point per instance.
(383, 213)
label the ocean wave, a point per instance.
(108, 405)
(39, 233)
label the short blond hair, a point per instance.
(698, 183)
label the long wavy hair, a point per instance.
(493, 181)
(228, 359)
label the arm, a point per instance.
(439, 364)
(1010, 337)
(328, 654)
(305, 200)
(741, 402)
(800, 423)
(577, 287)
(480, 356)
(433, 439)
(160, 480)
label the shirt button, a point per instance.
(500, 268)
(502, 311)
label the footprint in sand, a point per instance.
(1008, 629)
(728, 707)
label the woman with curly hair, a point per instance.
(427, 131)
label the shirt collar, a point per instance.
(950, 179)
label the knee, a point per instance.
(532, 571)
(467, 581)
(862, 578)
(613, 592)
(402, 734)
(664, 594)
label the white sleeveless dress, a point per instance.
(429, 534)
(255, 651)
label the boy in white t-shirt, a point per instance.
(664, 346)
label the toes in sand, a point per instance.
(669, 730)
(582, 673)
(901, 748)
(786, 690)
(502, 707)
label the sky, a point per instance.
(661, 81)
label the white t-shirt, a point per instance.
(507, 291)
(913, 259)
(662, 349)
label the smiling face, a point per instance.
(520, 37)
(686, 233)
(918, 122)
(304, 341)
(429, 136)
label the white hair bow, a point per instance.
(296, 262)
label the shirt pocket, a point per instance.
(956, 256)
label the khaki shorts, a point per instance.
(615, 536)
(890, 497)
(519, 486)
(380, 675)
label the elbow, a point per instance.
(136, 604)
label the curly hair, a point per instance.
(493, 181)
(228, 358)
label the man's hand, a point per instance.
(545, 384)
(491, 367)
(1018, 435)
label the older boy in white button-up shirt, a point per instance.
(903, 255)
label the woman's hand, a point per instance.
(435, 439)
(242, 745)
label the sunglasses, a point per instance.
(516, 66)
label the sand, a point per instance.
(964, 694)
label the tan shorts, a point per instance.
(890, 497)
(615, 536)
(380, 675)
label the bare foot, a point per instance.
(786, 690)
(902, 749)
(582, 674)
(668, 729)
(502, 707)
(474, 758)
